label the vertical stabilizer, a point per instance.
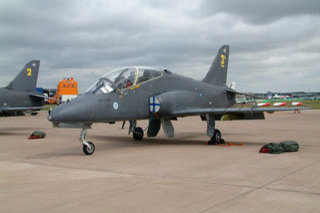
(26, 80)
(217, 73)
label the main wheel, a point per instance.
(88, 150)
(138, 134)
(217, 136)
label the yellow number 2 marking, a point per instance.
(222, 60)
(29, 72)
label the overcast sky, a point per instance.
(274, 45)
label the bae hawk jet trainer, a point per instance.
(136, 93)
(21, 95)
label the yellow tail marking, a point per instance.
(223, 57)
(29, 72)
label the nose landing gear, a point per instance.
(88, 147)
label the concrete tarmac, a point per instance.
(160, 174)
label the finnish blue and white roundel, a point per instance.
(115, 105)
(154, 104)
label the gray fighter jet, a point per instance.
(135, 93)
(21, 95)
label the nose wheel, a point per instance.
(88, 150)
(88, 147)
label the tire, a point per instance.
(89, 150)
(217, 136)
(138, 134)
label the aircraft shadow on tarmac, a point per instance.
(11, 133)
(119, 142)
(67, 152)
(14, 131)
(128, 142)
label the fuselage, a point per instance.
(132, 103)
(10, 98)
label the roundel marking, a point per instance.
(154, 104)
(115, 105)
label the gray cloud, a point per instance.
(271, 49)
(261, 11)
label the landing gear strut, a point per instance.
(88, 147)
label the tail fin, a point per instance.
(217, 73)
(26, 80)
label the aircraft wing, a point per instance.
(38, 95)
(235, 113)
(6, 109)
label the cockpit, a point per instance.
(123, 78)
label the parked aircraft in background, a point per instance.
(21, 95)
(298, 103)
(263, 104)
(280, 104)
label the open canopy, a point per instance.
(123, 78)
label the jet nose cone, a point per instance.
(64, 113)
(56, 114)
(75, 111)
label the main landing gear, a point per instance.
(88, 147)
(216, 138)
(212, 132)
(137, 132)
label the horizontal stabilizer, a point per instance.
(38, 95)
